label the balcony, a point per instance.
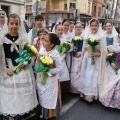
(14, 1)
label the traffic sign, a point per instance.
(37, 6)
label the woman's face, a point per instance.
(59, 30)
(109, 27)
(2, 16)
(94, 27)
(66, 26)
(78, 28)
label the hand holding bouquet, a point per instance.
(66, 46)
(44, 67)
(25, 57)
(111, 57)
(93, 42)
(77, 40)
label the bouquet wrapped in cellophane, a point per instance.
(93, 42)
(45, 64)
(111, 57)
(77, 40)
(66, 46)
(25, 57)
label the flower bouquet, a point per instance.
(45, 64)
(93, 42)
(111, 57)
(77, 40)
(25, 57)
(66, 46)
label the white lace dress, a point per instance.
(88, 80)
(75, 73)
(17, 92)
(48, 93)
(64, 73)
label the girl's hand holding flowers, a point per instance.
(95, 54)
(77, 40)
(25, 58)
(113, 65)
(44, 68)
(93, 42)
(111, 57)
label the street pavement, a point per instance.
(75, 109)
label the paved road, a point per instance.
(82, 111)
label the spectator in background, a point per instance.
(32, 25)
(39, 20)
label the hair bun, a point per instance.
(54, 39)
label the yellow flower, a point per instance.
(34, 50)
(77, 38)
(92, 39)
(46, 60)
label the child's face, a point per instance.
(71, 27)
(94, 27)
(39, 23)
(59, 30)
(13, 25)
(47, 44)
(66, 26)
(109, 27)
(2, 15)
(42, 35)
(78, 28)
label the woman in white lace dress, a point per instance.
(17, 91)
(88, 84)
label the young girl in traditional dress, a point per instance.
(76, 61)
(49, 94)
(64, 73)
(38, 42)
(17, 91)
(68, 36)
(3, 30)
(111, 34)
(88, 84)
(109, 80)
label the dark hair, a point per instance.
(65, 20)
(71, 22)
(42, 30)
(109, 22)
(57, 26)
(94, 20)
(78, 23)
(13, 15)
(39, 17)
(54, 39)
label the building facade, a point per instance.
(65, 9)
(13, 6)
(117, 12)
(99, 8)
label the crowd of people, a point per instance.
(23, 92)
